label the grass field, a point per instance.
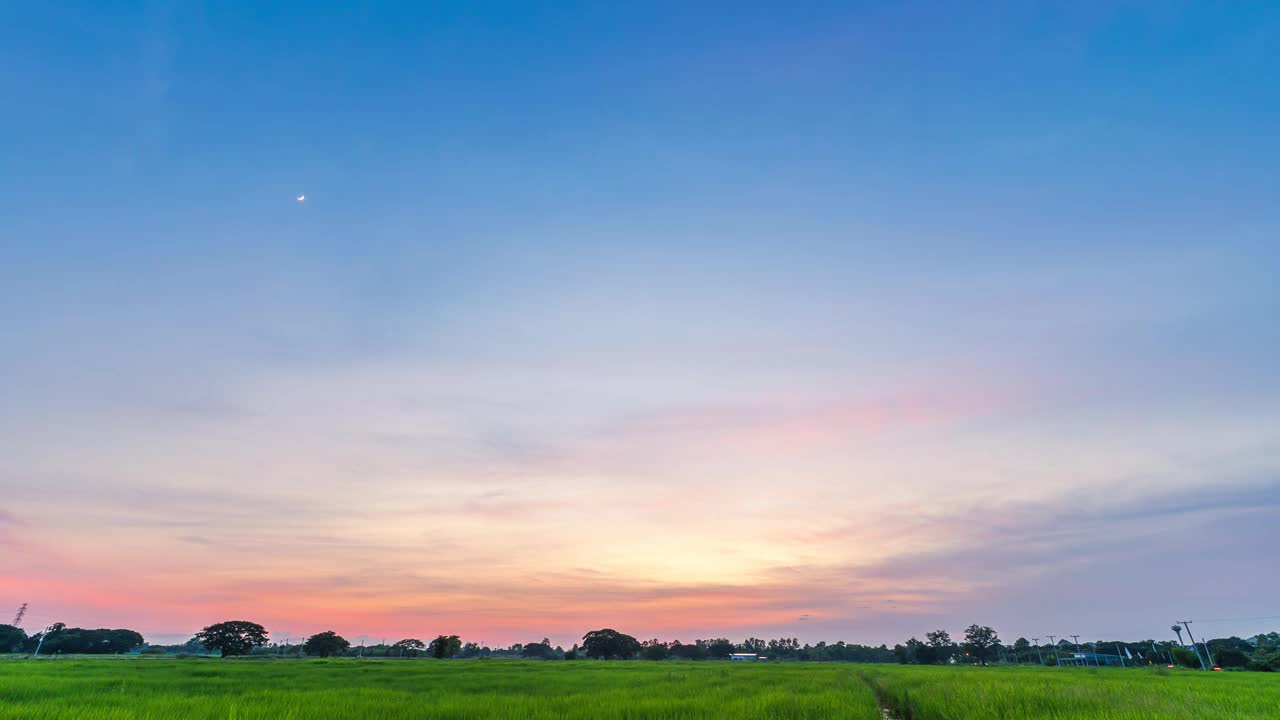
(952, 693)
(340, 689)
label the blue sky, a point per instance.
(846, 273)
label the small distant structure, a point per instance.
(746, 657)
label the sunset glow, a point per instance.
(596, 338)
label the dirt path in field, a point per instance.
(887, 711)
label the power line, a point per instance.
(17, 619)
(1262, 617)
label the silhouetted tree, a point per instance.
(233, 637)
(409, 646)
(81, 641)
(444, 646)
(654, 649)
(609, 644)
(326, 644)
(12, 638)
(696, 651)
(719, 648)
(979, 640)
(539, 650)
(1022, 649)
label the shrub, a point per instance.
(1186, 658)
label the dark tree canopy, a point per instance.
(82, 641)
(444, 646)
(918, 652)
(410, 646)
(326, 644)
(233, 637)
(938, 638)
(539, 650)
(654, 649)
(1232, 658)
(12, 638)
(720, 648)
(694, 651)
(979, 641)
(608, 644)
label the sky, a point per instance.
(837, 321)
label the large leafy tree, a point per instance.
(719, 648)
(979, 641)
(609, 644)
(410, 646)
(444, 646)
(654, 649)
(921, 653)
(233, 637)
(83, 641)
(694, 651)
(326, 644)
(539, 650)
(12, 638)
(1022, 649)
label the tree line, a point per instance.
(979, 644)
(62, 639)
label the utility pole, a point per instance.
(17, 619)
(1076, 640)
(1205, 642)
(1187, 624)
(1055, 650)
(1038, 655)
(40, 644)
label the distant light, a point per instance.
(302, 198)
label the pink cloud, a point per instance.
(794, 426)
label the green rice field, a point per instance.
(952, 693)
(128, 689)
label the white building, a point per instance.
(745, 657)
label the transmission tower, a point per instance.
(17, 619)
